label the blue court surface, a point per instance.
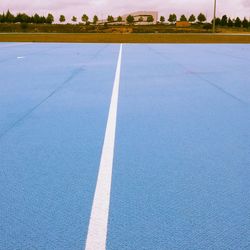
(181, 156)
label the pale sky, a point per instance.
(102, 8)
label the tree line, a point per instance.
(173, 18)
(228, 22)
(201, 18)
(8, 17)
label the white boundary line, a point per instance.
(11, 44)
(97, 231)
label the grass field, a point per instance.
(125, 38)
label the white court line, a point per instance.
(12, 45)
(97, 231)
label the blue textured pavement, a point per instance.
(182, 162)
(58, 99)
(181, 174)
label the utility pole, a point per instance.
(214, 16)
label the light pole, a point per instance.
(214, 16)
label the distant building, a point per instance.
(183, 24)
(140, 18)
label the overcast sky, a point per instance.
(103, 8)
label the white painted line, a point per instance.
(20, 57)
(97, 231)
(8, 45)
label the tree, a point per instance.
(22, 18)
(130, 19)
(50, 19)
(85, 18)
(150, 19)
(245, 23)
(18, 18)
(172, 18)
(31, 19)
(43, 19)
(1, 18)
(162, 19)
(110, 19)
(237, 22)
(95, 19)
(36, 18)
(140, 19)
(217, 21)
(230, 23)
(183, 18)
(62, 19)
(224, 21)
(192, 18)
(119, 19)
(202, 18)
(74, 19)
(9, 18)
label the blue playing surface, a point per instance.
(181, 174)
